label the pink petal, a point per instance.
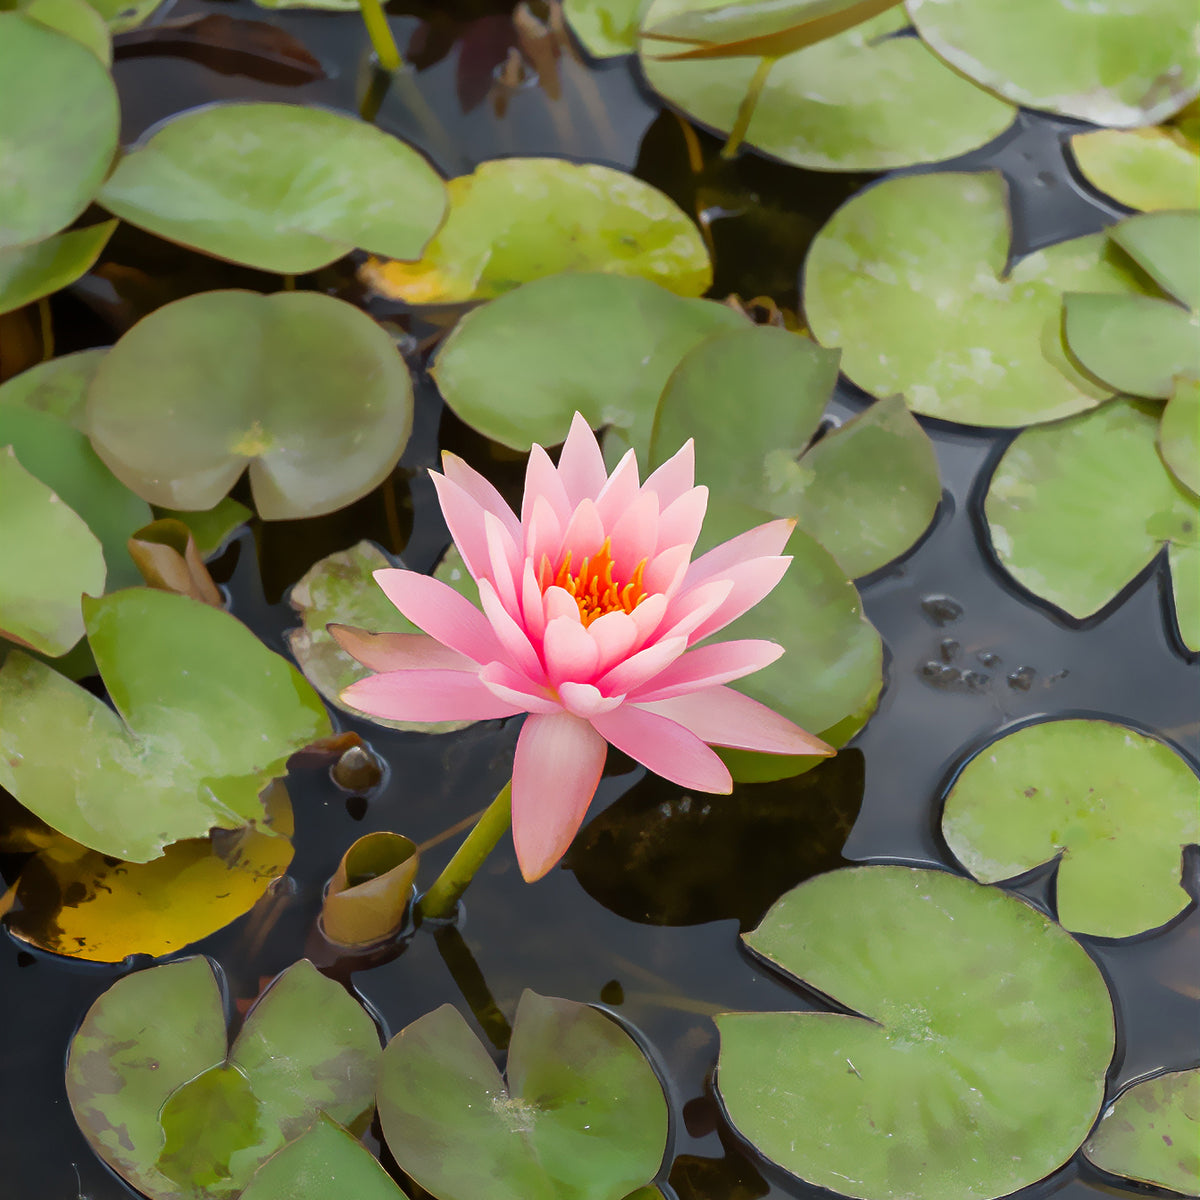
(532, 605)
(441, 612)
(464, 518)
(751, 582)
(647, 616)
(585, 700)
(543, 533)
(675, 476)
(584, 534)
(427, 696)
(581, 465)
(725, 717)
(667, 570)
(635, 535)
(558, 602)
(515, 644)
(504, 562)
(614, 634)
(667, 748)
(680, 522)
(706, 666)
(556, 769)
(638, 668)
(691, 608)
(570, 652)
(514, 688)
(620, 491)
(480, 490)
(398, 651)
(762, 540)
(541, 480)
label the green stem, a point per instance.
(440, 900)
(380, 34)
(746, 110)
(465, 972)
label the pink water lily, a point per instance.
(594, 622)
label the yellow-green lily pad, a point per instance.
(1148, 169)
(1179, 433)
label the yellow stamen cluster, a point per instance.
(593, 586)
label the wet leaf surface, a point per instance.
(974, 1006)
(911, 279)
(1114, 808)
(29, 272)
(280, 187)
(257, 382)
(581, 1116)
(1149, 169)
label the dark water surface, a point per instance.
(968, 656)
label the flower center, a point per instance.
(593, 586)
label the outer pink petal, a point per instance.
(581, 465)
(517, 649)
(570, 652)
(480, 490)
(398, 651)
(533, 606)
(464, 518)
(759, 542)
(638, 668)
(707, 666)
(620, 491)
(725, 717)
(693, 607)
(680, 522)
(664, 746)
(541, 479)
(504, 561)
(441, 612)
(427, 696)
(555, 772)
(675, 476)
(751, 582)
(514, 688)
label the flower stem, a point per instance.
(380, 34)
(749, 103)
(440, 900)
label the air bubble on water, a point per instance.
(989, 658)
(949, 649)
(940, 609)
(1021, 679)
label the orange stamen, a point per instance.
(593, 586)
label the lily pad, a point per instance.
(1179, 433)
(206, 717)
(1078, 508)
(1150, 169)
(368, 896)
(121, 15)
(281, 187)
(1152, 1133)
(1167, 246)
(517, 219)
(518, 369)
(581, 1117)
(1110, 61)
(910, 278)
(252, 381)
(607, 28)
(58, 120)
(28, 273)
(971, 1063)
(865, 100)
(1115, 808)
(77, 902)
(341, 590)
(58, 387)
(181, 1117)
(51, 558)
(78, 20)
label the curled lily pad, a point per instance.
(58, 121)
(518, 368)
(28, 273)
(863, 100)
(517, 219)
(581, 1115)
(1114, 807)
(1152, 1133)
(1109, 62)
(281, 187)
(170, 1108)
(1150, 169)
(51, 558)
(368, 896)
(910, 279)
(205, 717)
(77, 902)
(606, 28)
(971, 1063)
(253, 381)
(1078, 508)
(168, 558)
(1179, 433)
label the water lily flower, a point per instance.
(595, 621)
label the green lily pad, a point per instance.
(1109, 62)
(607, 28)
(1078, 508)
(78, 20)
(171, 1109)
(581, 1117)
(1114, 807)
(517, 219)
(861, 101)
(211, 527)
(58, 387)
(1152, 1133)
(1179, 433)
(206, 717)
(281, 187)
(323, 1162)
(1150, 169)
(910, 278)
(121, 15)
(63, 459)
(254, 381)
(1167, 246)
(28, 273)
(972, 1062)
(328, 5)
(339, 589)
(58, 122)
(50, 559)
(517, 369)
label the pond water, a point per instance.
(967, 656)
